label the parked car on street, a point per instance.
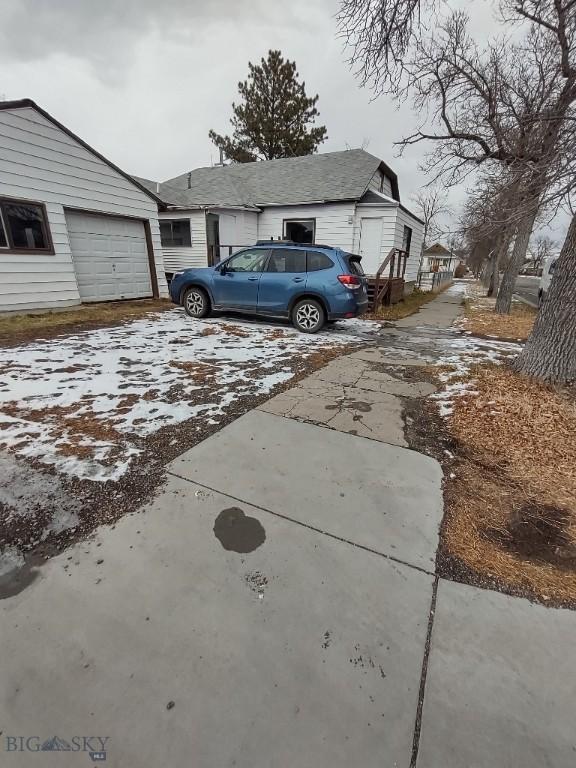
(546, 278)
(308, 284)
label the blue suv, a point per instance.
(309, 284)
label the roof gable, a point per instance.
(29, 104)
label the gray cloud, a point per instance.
(144, 80)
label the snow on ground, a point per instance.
(458, 355)
(83, 403)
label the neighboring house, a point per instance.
(438, 259)
(346, 199)
(73, 227)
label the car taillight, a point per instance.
(350, 281)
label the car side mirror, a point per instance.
(221, 268)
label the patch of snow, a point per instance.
(81, 403)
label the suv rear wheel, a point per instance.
(308, 316)
(196, 302)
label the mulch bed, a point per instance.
(510, 490)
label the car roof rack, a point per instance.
(293, 242)
(276, 242)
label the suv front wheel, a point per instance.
(308, 316)
(196, 302)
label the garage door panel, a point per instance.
(110, 257)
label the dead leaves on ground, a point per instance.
(511, 506)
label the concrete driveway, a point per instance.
(276, 606)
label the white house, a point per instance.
(436, 258)
(347, 199)
(73, 227)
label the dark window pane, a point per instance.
(26, 225)
(318, 261)
(299, 231)
(355, 265)
(3, 241)
(407, 239)
(175, 233)
(248, 261)
(287, 260)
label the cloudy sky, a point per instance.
(143, 81)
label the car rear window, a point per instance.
(318, 261)
(354, 264)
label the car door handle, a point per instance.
(252, 278)
(298, 279)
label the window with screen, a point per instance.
(300, 230)
(24, 226)
(286, 260)
(318, 261)
(175, 233)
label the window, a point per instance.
(3, 240)
(248, 261)
(318, 261)
(406, 240)
(300, 230)
(24, 226)
(355, 264)
(175, 233)
(287, 260)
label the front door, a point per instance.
(371, 244)
(237, 287)
(284, 278)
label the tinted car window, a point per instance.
(355, 265)
(247, 261)
(287, 260)
(318, 261)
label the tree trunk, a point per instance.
(550, 352)
(495, 274)
(504, 300)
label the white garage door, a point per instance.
(110, 257)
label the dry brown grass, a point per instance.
(407, 306)
(27, 326)
(481, 320)
(511, 507)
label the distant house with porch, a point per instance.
(346, 199)
(436, 258)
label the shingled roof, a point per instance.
(330, 177)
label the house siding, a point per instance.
(413, 262)
(388, 214)
(40, 162)
(378, 179)
(334, 222)
(176, 259)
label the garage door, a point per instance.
(110, 257)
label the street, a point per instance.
(527, 288)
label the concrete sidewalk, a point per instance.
(276, 606)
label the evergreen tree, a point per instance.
(275, 118)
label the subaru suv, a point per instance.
(309, 284)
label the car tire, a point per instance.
(308, 316)
(196, 302)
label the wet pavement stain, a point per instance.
(238, 532)
(17, 580)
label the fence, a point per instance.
(434, 281)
